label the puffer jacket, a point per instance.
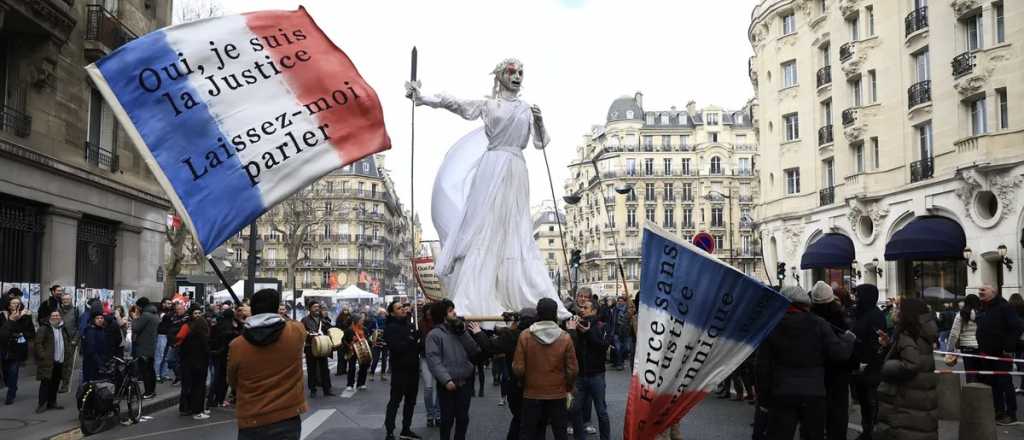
(964, 335)
(908, 410)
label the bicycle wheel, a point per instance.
(133, 401)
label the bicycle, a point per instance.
(100, 401)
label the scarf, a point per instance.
(58, 343)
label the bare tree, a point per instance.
(191, 10)
(295, 220)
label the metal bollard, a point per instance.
(949, 396)
(977, 415)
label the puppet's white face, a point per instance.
(511, 77)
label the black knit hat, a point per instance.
(547, 310)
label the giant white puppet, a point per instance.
(489, 261)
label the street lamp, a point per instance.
(876, 267)
(1006, 260)
(970, 263)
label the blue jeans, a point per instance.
(429, 396)
(623, 349)
(159, 365)
(11, 368)
(943, 338)
(590, 390)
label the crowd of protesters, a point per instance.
(831, 347)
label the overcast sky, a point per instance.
(578, 56)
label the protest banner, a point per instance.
(234, 114)
(698, 319)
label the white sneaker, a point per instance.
(362, 387)
(591, 430)
(501, 401)
(349, 389)
(201, 416)
(206, 411)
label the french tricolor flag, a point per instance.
(698, 320)
(234, 114)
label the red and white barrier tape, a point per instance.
(981, 356)
(982, 373)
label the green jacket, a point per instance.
(44, 343)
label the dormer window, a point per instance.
(650, 119)
(664, 119)
(711, 119)
(629, 114)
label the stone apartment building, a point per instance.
(892, 141)
(689, 170)
(547, 235)
(78, 207)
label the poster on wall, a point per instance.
(106, 296)
(127, 298)
(34, 298)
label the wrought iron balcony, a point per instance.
(827, 196)
(100, 156)
(15, 121)
(846, 52)
(103, 27)
(963, 64)
(917, 20)
(824, 76)
(849, 117)
(825, 135)
(922, 169)
(919, 93)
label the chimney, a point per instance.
(673, 108)
(639, 98)
(691, 107)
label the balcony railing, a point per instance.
(849, 117)
(824, 76)
(827, 196)
(100, 157)
(922, 169)
(846, 52)
(963, 64)
(103, 27)
(917, 20)
(919, 93)
(825, 135)
(15, 121)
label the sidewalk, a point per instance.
(21, 421)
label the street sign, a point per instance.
(704, 241)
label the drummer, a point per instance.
(359, 352)
(317, 371)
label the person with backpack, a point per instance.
(908, 401)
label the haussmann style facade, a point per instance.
(892, 136)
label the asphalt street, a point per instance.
(361, 417)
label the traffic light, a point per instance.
(781, 271)
(574, 260)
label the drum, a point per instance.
(322, 346)
(362, 349)
(336, 336)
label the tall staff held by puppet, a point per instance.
(489, 261)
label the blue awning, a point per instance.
(929, 238)
(830, 251)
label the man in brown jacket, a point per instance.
(545, 359)
(265, 369)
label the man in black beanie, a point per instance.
(545, 359)
(449, 352)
